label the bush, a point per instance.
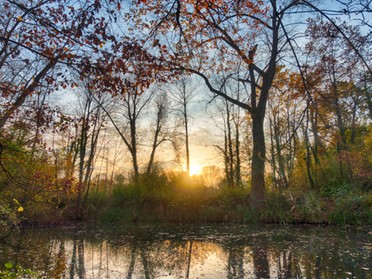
(353, 210)
(310, 208)
(277, 209)
(116, 214)
(9, 219)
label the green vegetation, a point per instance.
(32, 193)
(174, 203)
(16, 271)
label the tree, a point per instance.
(43, 41)
(225, 27)
(285, 113)
(160, 134)
(334, 58)
(181, 96)
(130, 109)
(231, 149)
(208, 37)
(133, 106)
(91, 123)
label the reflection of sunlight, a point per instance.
(195, 169)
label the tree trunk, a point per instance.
(230, 178)
(238, 176)
(82, 152)
(133, 145)
(367, 90)
(185, 116)
(258, 191)
(273, 159)
(308, 152)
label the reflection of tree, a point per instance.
(235, 267)
(288, 266)
(77, 262)
(132, 262)
(176, 257)
(145, 263)
(135, 249)
(60, 261)
(283, 256)
(189, 260)
(260, 261)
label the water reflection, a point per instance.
(193, 252)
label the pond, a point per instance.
(204, 251)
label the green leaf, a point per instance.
(8, 265)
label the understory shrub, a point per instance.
(354, 210)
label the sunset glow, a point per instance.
(195, 169)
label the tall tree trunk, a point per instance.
(258, 191)
(226, 157)
(343, 146)
(133, 149)
(283, 181)
(317, 143)
(367, 90)
(230, 178)
(185, 116)
(90, 162)
(238, 178)
(155, 144)
(308, 152)
(161, 104)
(82, 153)
(273, 159)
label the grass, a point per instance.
(178, 204)
(176, 200)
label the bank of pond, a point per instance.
(129, 204)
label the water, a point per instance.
(213, 251)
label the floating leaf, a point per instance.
(8, 265)
(20, 209)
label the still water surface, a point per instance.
(213, 251)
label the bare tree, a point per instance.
(181, 95)
(92, 120)
(160, 133)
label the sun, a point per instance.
(195, 169)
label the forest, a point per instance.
(180, 111)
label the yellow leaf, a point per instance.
(19, 18)
(20, 209)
